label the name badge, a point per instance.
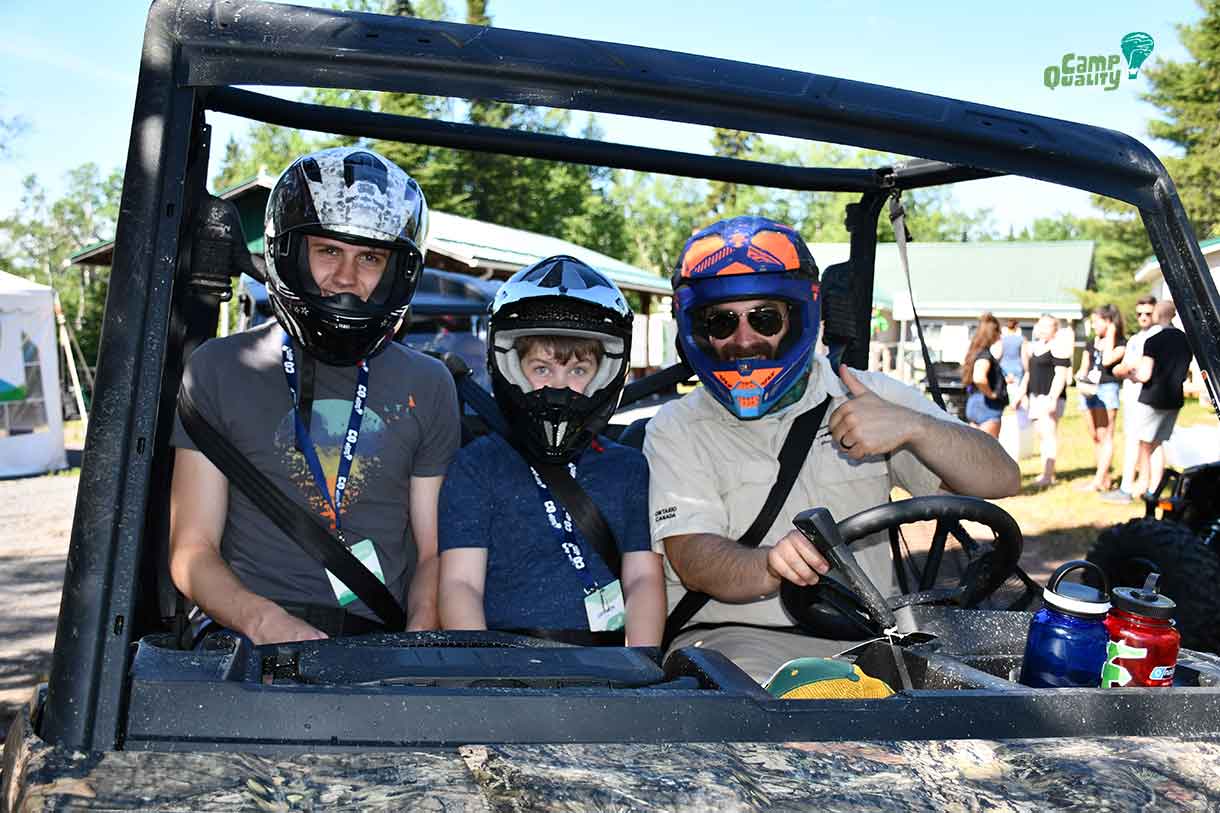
(604, 607)
(367, 554)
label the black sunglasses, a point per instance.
(765, 320)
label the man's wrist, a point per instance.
(772, 579)
(915, 429)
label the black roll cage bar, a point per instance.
(195, 51)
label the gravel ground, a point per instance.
(36, 515)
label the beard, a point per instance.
(734, 351)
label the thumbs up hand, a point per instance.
(867, 424)
(853, 384)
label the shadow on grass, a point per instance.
(1061, 476)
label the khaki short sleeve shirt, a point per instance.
(711, 473)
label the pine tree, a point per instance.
(726, 143)
(1188, 96)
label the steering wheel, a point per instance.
(829, 609)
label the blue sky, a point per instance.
(70, 68)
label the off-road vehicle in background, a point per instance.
(1183, 545)
(490, 721)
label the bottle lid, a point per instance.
(1146, 600)
(1077, 599)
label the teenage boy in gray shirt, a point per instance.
(354, 428)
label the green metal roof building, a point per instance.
(1012, 279)
(954, 283)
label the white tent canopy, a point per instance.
(31, 416)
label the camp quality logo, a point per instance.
(1100, 70)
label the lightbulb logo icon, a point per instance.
(1137, 46)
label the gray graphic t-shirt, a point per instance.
(410, 429)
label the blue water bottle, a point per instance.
(1067, 637)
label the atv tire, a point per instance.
(1190, 572)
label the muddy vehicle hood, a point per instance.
(1123, 773)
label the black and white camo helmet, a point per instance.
(558, 296)
(354, 195)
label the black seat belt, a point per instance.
(585, 513)
(791, 458)
(471, 394)
(575, 500)
(300, 526)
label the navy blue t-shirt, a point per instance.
(490, 500)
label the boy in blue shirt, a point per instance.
(511, 556)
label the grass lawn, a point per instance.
(1059, 522)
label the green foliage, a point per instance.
(40, 237)
(819, 216)
(1188, 96)
(1121, 246)
(659, 213)
(565, 200)
(266, 150)
(933, 216)
(642, 219)
(728, 144)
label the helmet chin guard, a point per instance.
(747, 258)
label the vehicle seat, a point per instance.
(633, 435)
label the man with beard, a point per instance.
(746, 301)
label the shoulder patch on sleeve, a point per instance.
(664, 514)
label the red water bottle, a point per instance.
(1143, 648)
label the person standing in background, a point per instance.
(1012, 355)
(1048, 365)
(1099, 388)
(984, 379)
(1135, 480)
(1161, 369)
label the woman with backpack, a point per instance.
(984, 379)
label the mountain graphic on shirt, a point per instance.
(328, 427)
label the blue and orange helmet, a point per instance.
(741, 259)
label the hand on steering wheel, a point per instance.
(831, 610)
